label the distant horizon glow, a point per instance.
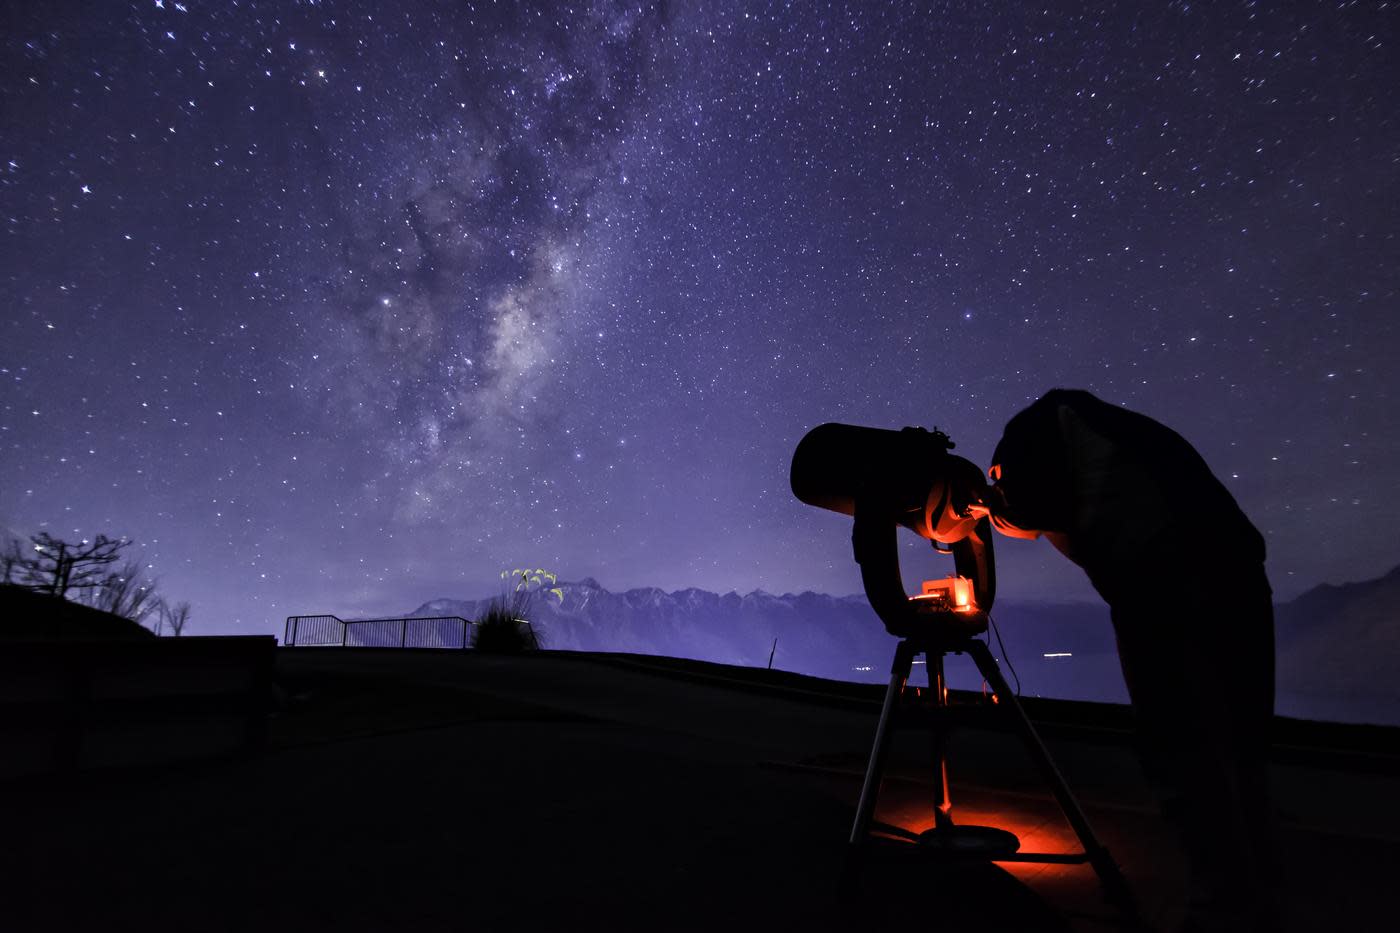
(339, 309)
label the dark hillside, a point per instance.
(29, 616)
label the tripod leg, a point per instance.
(938, 741)
(874, 769)
(1115, 886)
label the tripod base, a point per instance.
(972, 842)
(984, 843)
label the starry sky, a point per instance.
(346, 306)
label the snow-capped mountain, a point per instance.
(816, 633)
(1338, 646)
(828, 636)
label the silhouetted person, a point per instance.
(1182, 570)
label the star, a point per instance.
(500, 256)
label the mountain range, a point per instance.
(1338, 647)
(1339, 651)
(838, 637)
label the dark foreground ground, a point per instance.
(414, 790)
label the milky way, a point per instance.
(342, 307)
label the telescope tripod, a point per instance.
(973, 842)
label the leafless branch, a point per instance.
(127, 593)
(55, 566)
(175, 617)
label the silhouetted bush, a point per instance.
(501, 629)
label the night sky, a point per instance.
(346, 306)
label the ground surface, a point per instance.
(434, 790)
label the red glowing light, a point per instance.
(955, 593)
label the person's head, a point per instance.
(997, 504)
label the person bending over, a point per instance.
(1182, 570)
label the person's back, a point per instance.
(1181, 567)
(1118, 492)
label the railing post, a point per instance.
(403, 634)
(344, 631)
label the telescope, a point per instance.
(886, 480)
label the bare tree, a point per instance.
(56, 566)
(126, 593)
(176, 617)
(80, 572)
(11, 561)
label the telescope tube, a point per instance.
(883, 479)
(904, 471)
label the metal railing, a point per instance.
(422, 632)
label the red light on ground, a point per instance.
(1033, 818)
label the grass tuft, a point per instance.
(502, 629)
